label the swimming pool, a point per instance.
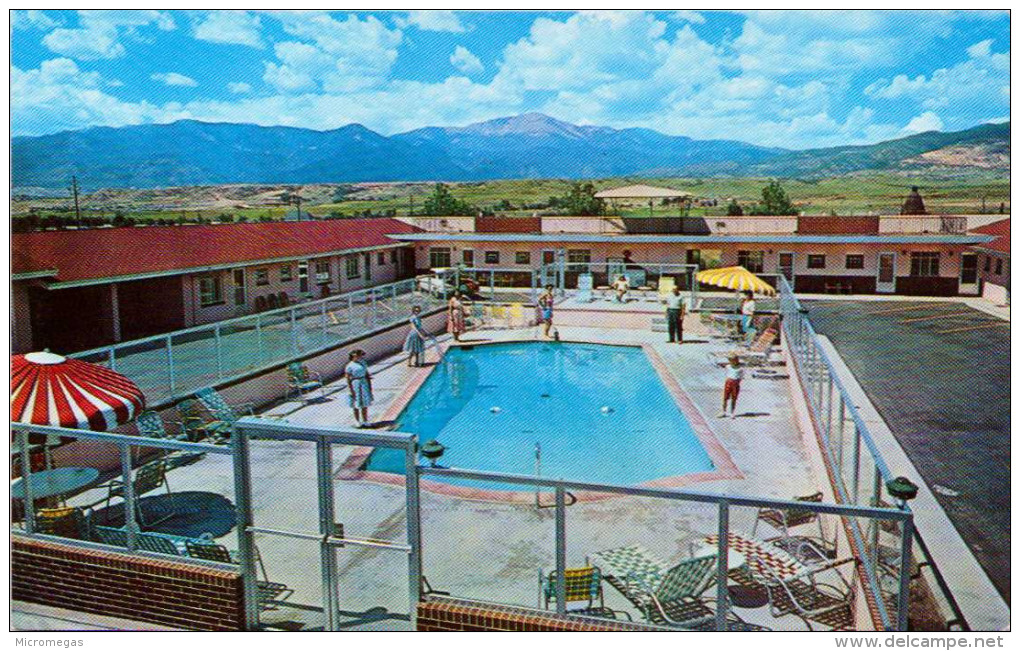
(599, 412)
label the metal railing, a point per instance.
(177, 363)
(565, 276)
(722, 503)
(858, 471)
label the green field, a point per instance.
(865, 193)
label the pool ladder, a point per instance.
(571, 498)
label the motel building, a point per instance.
(75, 290)
(907, 255)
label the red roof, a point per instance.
(115, 252)
(1000, 230)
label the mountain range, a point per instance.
(532, 145)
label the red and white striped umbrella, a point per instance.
(49, 389)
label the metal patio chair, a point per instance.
(302, 382)
(665, 595)
(147, 478)
(809, 549)
(209, 550)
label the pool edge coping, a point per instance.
(725, 468)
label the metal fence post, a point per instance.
(293, 333)
(322, 320)
(170, 366)
(722, 567)
(130, 508)
(327, 554)
(245, 539)
(258, 336)
(903, 599)
(219, 354)
(112, 357)
(413, 507)
(561, 550)
(841, 427)
(26, 480)
(856, 474)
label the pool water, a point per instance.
(599, 412)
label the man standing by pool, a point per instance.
(675, 315)
(545, 308)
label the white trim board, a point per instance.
(980, 602)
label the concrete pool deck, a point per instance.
(490, 551)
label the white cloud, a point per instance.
(980, 49)
(689, 16)
(230, 27)
(99, 32)
(336, 55)
(31, 19)
(927, 121)
(239, 87)
(59, 95)
(463, 60)
(432, 21)
(173, 79)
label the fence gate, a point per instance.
(286, 554)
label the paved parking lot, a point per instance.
(938, 372)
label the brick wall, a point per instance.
(166, 592)
(442, 614)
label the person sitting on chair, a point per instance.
(622, 287)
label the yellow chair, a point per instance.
(516, 319)
(666, 285)
(498, 315)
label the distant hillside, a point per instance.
(891, 154)
(529, 146)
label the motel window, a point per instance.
(998, 267)
(522, 257)
(261, 277)
(439, 257)
(285, 273)
(393, 256)
(579, 256)
(352, 265)
(924, 263)
(322, 272)
(492, 257)
(753, 261)
(988, 263)
(467, 256)
(381, 258)
(854, 261)
(210, 291)
(816, 261)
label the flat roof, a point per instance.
(695, 239)
(91, 256)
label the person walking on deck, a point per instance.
(731, 388)
(359, 385)
(675, 315)
(456, 320)
(545, 308)
(747, 308)
(414, 344)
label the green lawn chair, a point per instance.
(665, 595)
(199, 423)
(268, 591)
(150, 425)
(302, 382)
(147, 478)
(583, 584)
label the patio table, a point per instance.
(58, 481)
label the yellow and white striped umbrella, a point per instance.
(736, 278)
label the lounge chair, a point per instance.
(150, 425)
(809, 549)
(260, 303)
(66, 522)
(302, 382)
(273, 301)
(284, 299)
(585, 283)
(793, 587)
(147, 479)
(212, 551)
(758, 353)
(199, 423)
(515, 316)
(665, 595)
(224, 415)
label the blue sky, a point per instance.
(789, 79)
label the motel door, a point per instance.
(885, 283)
(969, 273)
(302, 276)
(786, 266)
(240, 288)
(368, 266)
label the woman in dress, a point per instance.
(414, 345)
(545, 308)
(456, 322)
(359, 384)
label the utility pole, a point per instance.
(74, 191)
